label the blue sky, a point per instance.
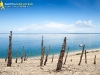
(52, 16)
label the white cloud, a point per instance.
(50, 27)
(80, 23)
(55, 27)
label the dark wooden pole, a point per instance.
(60, 61)
(16, 55)
(42, 52)
(42, 57)
(81, 55)
(85, 57)
(22, 55)
(66, 56)
(95, 59)
(46, 59)
(10, 50)
(11, 45)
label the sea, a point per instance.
(32, 43)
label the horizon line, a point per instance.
(51, 33)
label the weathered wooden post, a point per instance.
(47, 56)
(6, 55)
(85, 57)
(66, 56)
(10, 50)
(60, 61)
(95, 59)
(22, 55)
(81, 54)
(42, 52)
(16, 55)
(52, 58)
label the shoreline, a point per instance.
(32, 65)
(57, 54)
(69, 53)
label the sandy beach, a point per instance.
(32, 65)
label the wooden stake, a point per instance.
(22, 55)
(66, 56)
(42, 53)
(95, 59)
(16, 55)
(60, 61)
(10, 50)
(42, 57)
(85, 57)
(47, 56)
(81, 55)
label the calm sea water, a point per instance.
(32, 43)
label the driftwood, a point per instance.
(10, 50)
(46, 59)
(66, 56)
(85, 57)
(81, 55)
(52, 58)
(95, 59)
(42, 52)
(16, 55)
(60, 61)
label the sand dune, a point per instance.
(31, 66)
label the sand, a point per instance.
(31, 65)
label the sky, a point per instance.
(51, 16)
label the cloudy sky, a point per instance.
(52, 16)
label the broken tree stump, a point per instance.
(81, 54)
(66, 56)
(10, 50)
(60, 61)
(85, 57)
(47, 56)
(95, 59)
